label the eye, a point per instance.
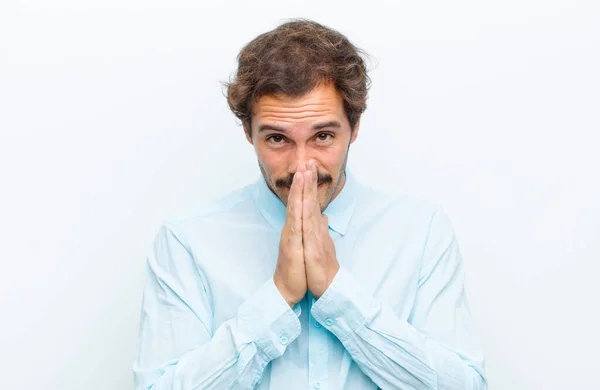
(275, 138)
(324, 136)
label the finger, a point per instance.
(310, 180)
(314, 189)
(325, 221)
(294, 218)
(307, 220)
(296, 189)
(307, 201)
(306, 188)
(313, 193)
(295, 196)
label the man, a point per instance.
(306, 279)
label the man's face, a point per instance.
(288, 131)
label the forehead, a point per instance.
(324, 101)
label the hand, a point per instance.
(319, 250)
(290, 274)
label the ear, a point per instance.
(355, 131)
(247, 132)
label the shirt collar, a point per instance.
(338, 212)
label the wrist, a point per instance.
(285, 294)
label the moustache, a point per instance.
(321, 179)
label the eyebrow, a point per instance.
(318, 126)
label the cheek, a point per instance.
(325, 190)
(275, 162)
(270, 165)
(334, 160)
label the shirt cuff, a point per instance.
(345, 306)
(270, 322)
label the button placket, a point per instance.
(318, 369)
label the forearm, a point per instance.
(389, 350)
(234, 357)
(395, 355)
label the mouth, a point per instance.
(318, 186)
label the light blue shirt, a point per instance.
(395, 316)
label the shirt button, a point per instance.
(283, 340)
(317, 325)
(328, 321)
(317, 385)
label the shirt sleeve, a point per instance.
(177, 347)
(437, 348)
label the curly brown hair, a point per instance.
(293, 59)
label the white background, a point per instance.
(112, 119)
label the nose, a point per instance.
(300, 157)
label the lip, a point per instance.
(318, 186)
